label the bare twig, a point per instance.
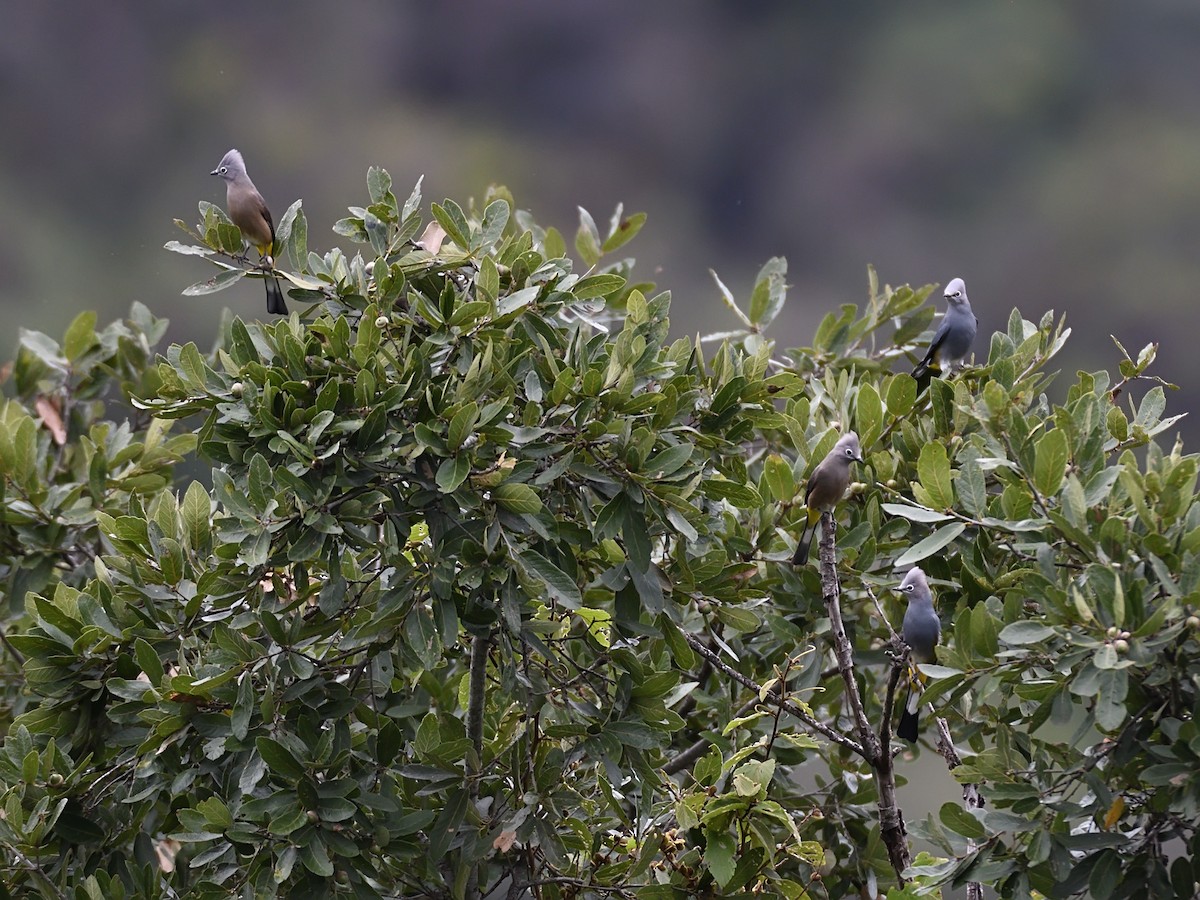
(882, 615)
(38, 874)
(972, 798)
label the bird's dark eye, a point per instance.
(224, 169)
(908, 587)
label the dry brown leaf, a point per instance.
(166, 850)
(431, 238)
(504, 841)
(51, 415)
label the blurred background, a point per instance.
(1047, 153)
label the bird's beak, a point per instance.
(859, 459)
(215, 172)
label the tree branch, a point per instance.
(891, 820)
(831, 593)
(972, 798)
(480, 644)
(775, 697)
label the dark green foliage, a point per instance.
(266, 685)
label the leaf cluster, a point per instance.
(472, 447)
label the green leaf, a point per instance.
(587, 239)
(743, 496)
(377, 233)
(292, 233)
(941, 402)
(243, 708)
(868, 414)
(930, 545)
(75, 828)
(196, 511)
(960, 821)
(1118, 424)
(933, 468)
(192, 366)
(148, 661)
(462, 425)
(443, 831)
(422, 636)
(901, 394)
(517, 497)
(216, 813)
(780, 479)
(187, 249)
(452, 472)
(559, 584)
(450, 217)
(316, 858)
(279, 759)
(44, 347)
(599, 624)
(623, 231)
(770, 291)
(753, 778)
(708, 768)
(1020, 633)
(495, 218)
(1050, 462)
(80, 335)
(718, 855)
(379, 184)
(681, 651)
(738, 619)
(972, 488)
(226, 278)
(914, 513)
(597, 286)
(669, 461)
(260, 483)
(487, 281)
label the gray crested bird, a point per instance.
(825, 487)
(249, 213)
(952, 341)
(921, 631)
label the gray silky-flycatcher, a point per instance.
(921, 632)
(952, 341)
(249, 212)
(826, 485)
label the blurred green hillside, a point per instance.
(1047, 153)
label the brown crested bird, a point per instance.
(249, 213)
(826, 485)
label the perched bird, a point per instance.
(921, 631)
(249, 212)
(952, 341)
(825, 488)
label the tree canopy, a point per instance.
(488, 590)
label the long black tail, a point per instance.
(907, 728)
(801, 556)
(275, 303)
(924, 373)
